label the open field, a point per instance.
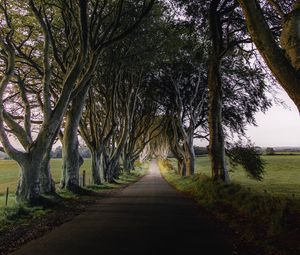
(9, 172)
(282, 175)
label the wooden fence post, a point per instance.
(6, 197)
(83, 178)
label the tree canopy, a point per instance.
(135, 79)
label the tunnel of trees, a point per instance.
(137, 79)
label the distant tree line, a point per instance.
(83, 151)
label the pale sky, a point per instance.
(278, 126)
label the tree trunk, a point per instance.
(95, 167)
(189, 155)
(111, 170)
(109, 173)
(216, 142)
(47, 184)
(290, 37)
(117, 170)
(71, 158)
(181, 167)
(28, 189)
(104, 164)
(189, 165)
(70, 161)
(127, 164)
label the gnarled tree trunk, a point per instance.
(96, 167)
(47, 184)
(189, 155)
(71, 157)
(28, 189)
(128, 164)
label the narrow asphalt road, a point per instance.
(148, 217)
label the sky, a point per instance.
(278, 126)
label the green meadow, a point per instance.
(9, 172)
(282, 174)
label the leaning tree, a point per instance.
(282, 55)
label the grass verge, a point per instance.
(260, 223)
(20, 224)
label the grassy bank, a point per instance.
(282, 175)
(261, 222)
(20, 224)
(9, 177)
(9, 174)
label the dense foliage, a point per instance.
(129, 79)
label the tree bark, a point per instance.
(71, 158)
(128, 165)
(47, 184)
(216, 142)
(180, 167)
(281, 67)
(28, 189)
(189, 155)
(110, 171)
(96, 167)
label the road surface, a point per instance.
(148, 217)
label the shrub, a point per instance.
(269, 151)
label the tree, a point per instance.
(57, 153)
(74, 36)
(283, 61)
(200, 150)
(98, 121)
(222, 27)
(269, 151)
(124, 17)
(23, 51)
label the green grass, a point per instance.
(263, 220)
(9, 173)
(282, 175)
